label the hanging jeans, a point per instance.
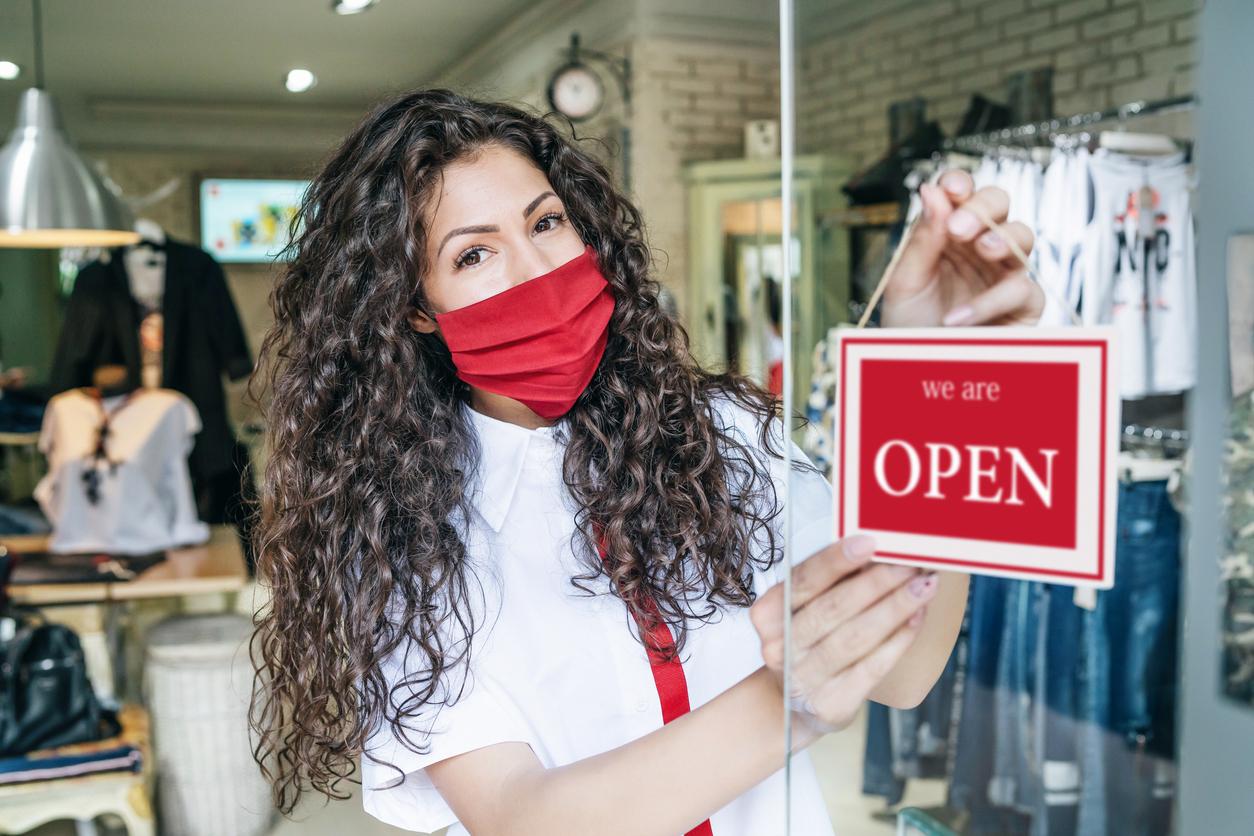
(1068, 714)
(909, 743)
(1059, 686)
(1107, 687)
(1015, 764)
(1131, 666)
(878, 777)
(975, 747)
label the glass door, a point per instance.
(1054, 710)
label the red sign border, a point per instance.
(1102, 442)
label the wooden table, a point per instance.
(216, 566)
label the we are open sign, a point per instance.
(984, 450)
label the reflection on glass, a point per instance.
(1056, 712)
(753, 269)
(1237, 560)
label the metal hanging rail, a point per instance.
(1064, 125)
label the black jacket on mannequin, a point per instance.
(203, 339)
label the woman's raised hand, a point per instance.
(954, 270)
(851, 623)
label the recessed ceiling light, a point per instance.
(9, 70)
(350, 7)
(298, 81)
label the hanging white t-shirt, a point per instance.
(986, 173)
(1160, 358)
(1062, 226)
(561, 670)
(1023, 184)
(144, 499)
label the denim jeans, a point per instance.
(910, 743)
(878, 777)
(975, 742)
(1059, 689)
(973, 756)
(1131, 664)
(1015, 766)
(1068, 714)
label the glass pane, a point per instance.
(752, 287)
(1237, 557)
(1054, 709)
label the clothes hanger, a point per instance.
(1124, 141)
(1138, 145)
(151, 237)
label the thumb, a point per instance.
(922, 247)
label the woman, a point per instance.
(524, 552)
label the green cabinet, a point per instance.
(735, 243)
(30, 310)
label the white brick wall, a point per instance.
(691, 102)
(1104, 53)
(692, 96)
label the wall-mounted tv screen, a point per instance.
(247, 220)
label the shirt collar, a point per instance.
(503, 451)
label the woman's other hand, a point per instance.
(954, 270)
(851, 624)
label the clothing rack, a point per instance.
(1168, 440)
(1065, 125)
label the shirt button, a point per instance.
(642, 705)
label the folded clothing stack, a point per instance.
(111, 755)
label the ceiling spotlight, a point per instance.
(9, 70)
(350, 7)
(298, 81)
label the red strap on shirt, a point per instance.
(668, 675)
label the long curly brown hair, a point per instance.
(371, 451)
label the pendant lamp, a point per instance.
(50, 197)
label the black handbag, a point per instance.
(46, 698)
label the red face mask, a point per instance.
(538, 342)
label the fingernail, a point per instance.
(954, 184)
(859, 547)
(964, 224)
(959, 316)
(917, 618)
(992, 242)
(923, 585)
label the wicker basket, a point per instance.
(197, 683)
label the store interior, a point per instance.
(1061, 711)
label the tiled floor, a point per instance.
(838, 761)
(334, 819)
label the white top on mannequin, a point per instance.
(145, 502)
(146, 268)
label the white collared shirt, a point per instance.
(563, 671)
